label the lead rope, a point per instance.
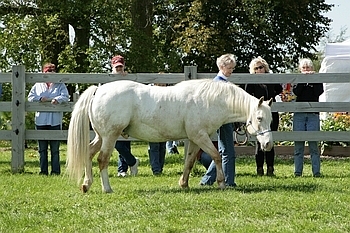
(241, 131)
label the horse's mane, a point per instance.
(209, 90)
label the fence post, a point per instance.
(18, 118)
(190, 72)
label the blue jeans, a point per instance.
(205, 160)
(126, 159)
(55, 152)
(303, 121)
(156, 152)
(227, 152)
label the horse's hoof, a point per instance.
(84, 188)
(107, 190)
(182, 184)
(184, 187)
(222, 185)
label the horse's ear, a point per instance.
(270, 102)
(261, 100)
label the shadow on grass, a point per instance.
(248, 188)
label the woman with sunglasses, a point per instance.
(259, 66)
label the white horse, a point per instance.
(191, 109)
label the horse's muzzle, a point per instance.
(266, 141)
(267, 146)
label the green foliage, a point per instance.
(161, 35)
(285, 121)
(333, 122)
(280, 31)
(157, 36)
(285, 124)
(33, 203)
(19, 42)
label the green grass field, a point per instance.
(33, 203)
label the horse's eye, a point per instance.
(259, 119)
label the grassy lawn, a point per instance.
(33, 203)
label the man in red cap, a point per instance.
(118, 64)
(126, 159)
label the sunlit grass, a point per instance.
(33, 203)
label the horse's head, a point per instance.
(259, 122)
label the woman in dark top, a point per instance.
(259, 66)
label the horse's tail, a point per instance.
(79, 135)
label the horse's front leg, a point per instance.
(214, 154)
(207, 145)
(189, 162)
(220, 178)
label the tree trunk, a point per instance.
(141, 51)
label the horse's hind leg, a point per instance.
(103, 161)
(189, 162)
(95, 146)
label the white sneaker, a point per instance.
(122, 174)
(134, 169)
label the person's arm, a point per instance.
(63, 94)
(33, 96)
(318, 89)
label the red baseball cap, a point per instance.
(117, 61)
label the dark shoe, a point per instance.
(55, 174)
(270, 171)
(43, 173)
(157, 173)
(297, 174)
(231, 185)
(317, 175)
(260, 171)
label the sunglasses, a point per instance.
(259, 67)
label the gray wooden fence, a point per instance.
(19, 106)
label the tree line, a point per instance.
(159, 35)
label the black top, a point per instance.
(308, 92)
(267, 90)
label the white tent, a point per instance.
(336, 49)
(337, 60)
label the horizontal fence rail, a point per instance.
(19, 106)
